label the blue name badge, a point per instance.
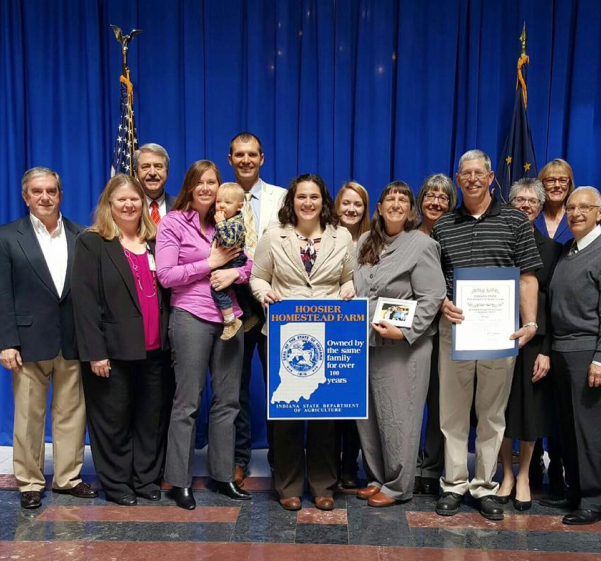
(317, 354)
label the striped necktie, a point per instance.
(154, 212)
(250, 231)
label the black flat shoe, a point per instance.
(581, 516)
(184, 498)
(127, 500)
(502, 499)
(349, 481)
(556, 502)
(448, 504)
(522, 505)
(153, 495)
(490, 509)
(417, 485)
(231, 490)
(430, 486)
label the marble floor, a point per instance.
(65, 528)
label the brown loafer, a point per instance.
(239, 476)
(81, 491)
(31, 499)
(324, 503)
(380, 500)
(291, 503)
(367, 492)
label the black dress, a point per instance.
(529, 413)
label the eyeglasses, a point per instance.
(480, 175)
(523, 200)
(550, 181)
(583, 209)
(441, 198)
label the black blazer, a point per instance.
(34, 318)
(108, 317)
(169, 201)
(549, 252)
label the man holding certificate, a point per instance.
(480, 233)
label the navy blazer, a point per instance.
(34, 318)
(108, 316)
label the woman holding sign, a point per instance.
(305, 256)
(395, 261)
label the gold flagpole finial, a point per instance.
(523, 40)
(124, 42)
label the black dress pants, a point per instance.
(127, 420)
(573, 370)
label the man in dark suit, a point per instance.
(37, 340)
(262, 204)
(151, 163)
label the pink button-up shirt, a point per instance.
(182, 251)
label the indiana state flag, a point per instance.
(517, 159)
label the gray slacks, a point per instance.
(196, 345)
(398, 383)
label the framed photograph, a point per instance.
(397, 312)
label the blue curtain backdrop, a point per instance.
(373, 90)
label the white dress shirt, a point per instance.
(161, 202)
(589, 238)
(54, 248)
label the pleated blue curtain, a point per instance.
(373, 90)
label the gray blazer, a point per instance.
(409, 269)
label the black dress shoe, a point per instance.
(556, 502)
(184, 498)
(448, 504)
(490, 509)
(152, 495)
(522, 505)
(81, 491)
(430, 486)
(581, 516)
(31, 499)
(231, 490)
(127, 500)
(502, 499)
(349, 481)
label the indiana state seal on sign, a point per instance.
(302, 355)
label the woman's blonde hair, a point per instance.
(362, 192)
(564, 167)
(104, 223)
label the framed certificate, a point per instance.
(489, 298)
(397, 312)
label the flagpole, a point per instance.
(125, 79)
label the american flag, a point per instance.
(127, 134)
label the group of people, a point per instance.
(127, 316)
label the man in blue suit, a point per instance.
(151, 164)
(37, 340)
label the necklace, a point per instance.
(134, 266)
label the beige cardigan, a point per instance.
(278, 265)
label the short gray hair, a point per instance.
(476, 155)
(39, 171)
(589, 188)
(155, 149)
(532, 184)
(437, 182)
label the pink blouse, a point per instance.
(182, 251)
(146, 287)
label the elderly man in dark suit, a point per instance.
(37, 339)
(576, 353)
(151, 164)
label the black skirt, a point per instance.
(530, 407)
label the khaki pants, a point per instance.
(456, 393)
(30, 389)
